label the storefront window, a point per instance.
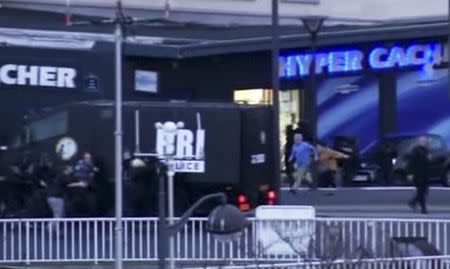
(253, 96)
(423, 105)
(348, 106)
(39, 130)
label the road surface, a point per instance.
(349, 202)
(379, 202)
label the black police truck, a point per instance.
(214, 146)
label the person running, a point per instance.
(301, 155)
(330, 173)
(419, 164)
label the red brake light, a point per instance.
(242, 199)
(271, 195)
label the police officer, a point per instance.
(81, 202)
(419, 164)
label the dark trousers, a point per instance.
(79, 203)
(290, 174)
(420, 197)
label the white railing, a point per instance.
(92, 240)
(435, 262)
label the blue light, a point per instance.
(397, 57)
(353, 60)
(303, 63)
(282, 69)
(290, 71)
(356, 60)
(375, 58)
(347, 61)
(336, 62)
(428, 54)
(412, 54)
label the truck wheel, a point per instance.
(446, 178)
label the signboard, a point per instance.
(377, 58)
(146, 81)
(192, 135)
(284, 230)
(35, 75)
(185, 146)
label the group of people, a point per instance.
(42, 189)
(315, 164)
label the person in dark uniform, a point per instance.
(419, 165)
(56, 190)
(289, 133)
(384, 159)
(22, 185)
(143, 175)
(80, 199)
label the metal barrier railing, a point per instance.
(435, 262)
(330, 239)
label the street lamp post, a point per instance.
(118, 145)
(313, 25)
(448, 47)
(118, 21)
(225, 222)
(275, 92)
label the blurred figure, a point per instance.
(384, 159)
(328, 171)
(44, 170)
(419, 165)
(85, 170)
(289, 133)
(126, 164)
(56, 189)
(80, 201)
(37, 204)
(143, 176)
(22, 183)
(302, 154)
(349, 146)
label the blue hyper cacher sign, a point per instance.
(346, 61)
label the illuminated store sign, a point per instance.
(34, 75)
(343, 61)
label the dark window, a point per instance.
(48, 127)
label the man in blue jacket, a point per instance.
(80, 190)
(302, 154)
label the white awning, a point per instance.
(73, 40)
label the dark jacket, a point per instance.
(83, 172)
(419, 164)
(56, 186)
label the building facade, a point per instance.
(249, 11)
(371, 80)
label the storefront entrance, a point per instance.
(290, 107)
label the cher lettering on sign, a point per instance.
(33, 75)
